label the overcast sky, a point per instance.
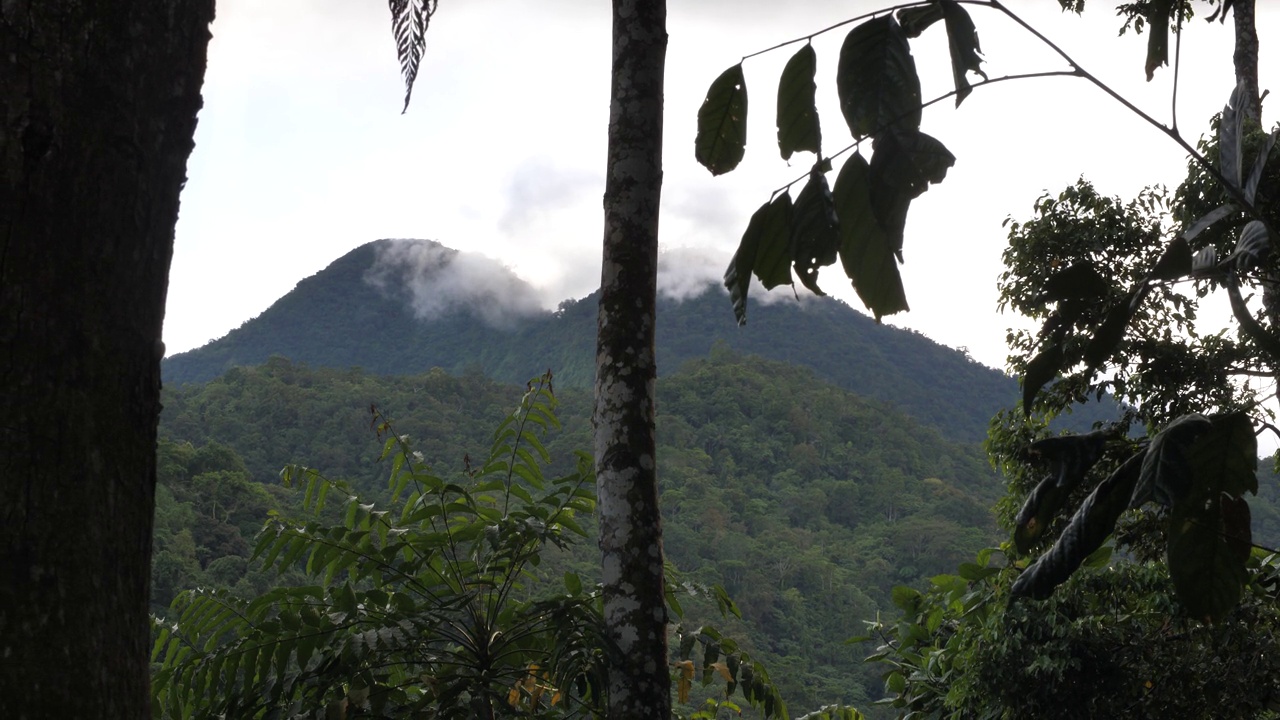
(302, 153)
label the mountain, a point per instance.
(397, 307)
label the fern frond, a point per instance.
(409, 21)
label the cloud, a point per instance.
(538, 188)
(685, 273)
(438, 280)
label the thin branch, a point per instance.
(1177, 65)
(1249, 325)
(837, 26)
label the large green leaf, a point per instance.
(1175, 263)
(765, 250)
(1107, 337)
(722, 123)
(798, 128)
(865, 251)
(962, 38)
(1042, 368)
(1085, 533)
(1070, 458)
(876, 79)
(902, 167)
(815, 238)
(915, 20)
(1230, 133)
(1157, 14)
(1253, 247)
(1224, 456)
(1166, 473)
(1207, 571)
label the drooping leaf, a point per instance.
(1208, 573)
(1253, 247)
(876, 79)
(1107, 337)
(409, 21)
(902, 167)
(1205, 263)
(765, 250)
(1203, 223)
(962, 38)
(722, 123)
(1037, 512)
(1225, 455)
(1042, 368)
(1166, 473)
(915, 20)
(1158, 12)
(1230, 133)
(815, 238)
(866, 253)
(798, 127)
(1070, 458)
(1078, 281)
(1084, 534)
(1259, 164)
(1175, 262)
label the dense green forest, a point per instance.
(805, 501)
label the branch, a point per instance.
(1249, 325)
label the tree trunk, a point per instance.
(630, 524)
(98, 106)
(1246, 55)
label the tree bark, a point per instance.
(630, 524)
(1246, 55)
(98, 106)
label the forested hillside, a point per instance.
(807, 502)
(341, 317)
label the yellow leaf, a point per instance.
(723, 670)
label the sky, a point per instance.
(302, 153)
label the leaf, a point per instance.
(1107, 337)
(409, 21)
(1084, 534)
(1208, 572)
(876, 79)
(1070, 458)
(1166, 474)
(798, 127)
(765, 250)
(962, 39)
(722, 123)
(815, 236)
(1157, 15)
(1040, 370)
(1226, 455)
(1253, 247)
(915, 20)
(1259, 164)
(866, 254)
(902, 167)
(1175, 262)
(1079, 281)
(1203, 223)
(1205, 263)
(1230, 133)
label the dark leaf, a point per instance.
(1208, 572)
(962, 38)
(1205, 263)
(1157, 14)
(1226, 455)
(1230, 132)
(798, 127)
(815, 238)
(765, 250)
(1253, 247)
(1203, 223)
(1037, 512)
(722, 123)
(865, 251)
(1237, 527)
(1088, 529)
(1080, 281)
(902, 167)
(409, 21)
(876, 79)
(1166, 474)
(1107, 337)
(1070, 458)
(915, 20)
(1042, 368)
(1259, 164)
(1175, 262)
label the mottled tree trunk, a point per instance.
(630, 524)
(98, 105)
(1246, 54)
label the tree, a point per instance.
(100, 105)
(630, 522)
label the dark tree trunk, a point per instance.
(1246, 54)
(98, 105)
(630, 525)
